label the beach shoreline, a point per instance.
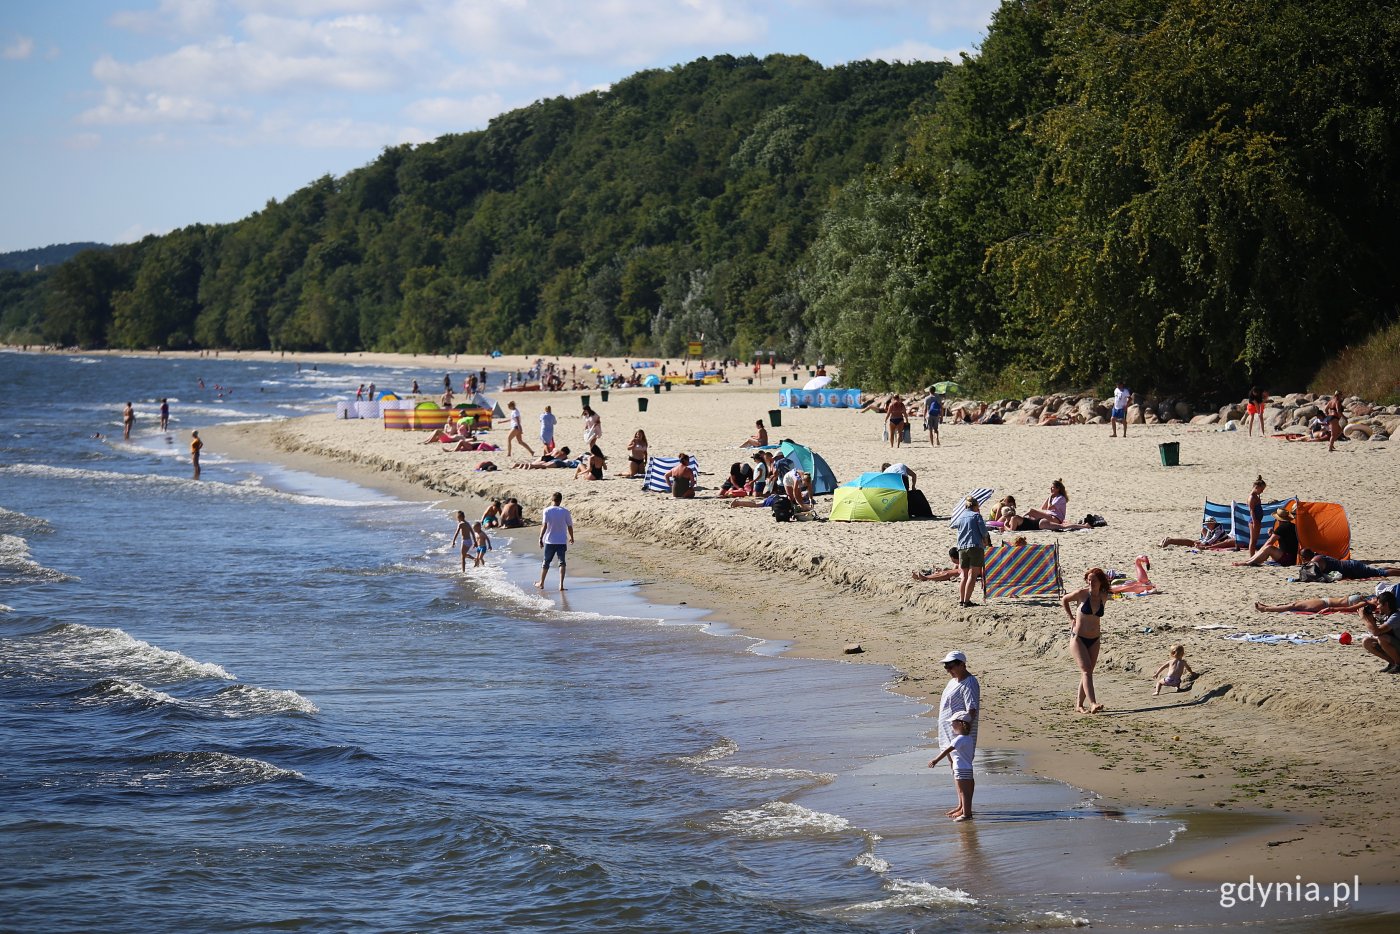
(1260, 744)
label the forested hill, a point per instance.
(676, 203)
(52, 255)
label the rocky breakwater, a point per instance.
(1295, 413)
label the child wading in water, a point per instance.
(483, 545)
(1173, 669)
(961, 751)
(464, 532)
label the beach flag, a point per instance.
(657, 467)
(1022, 571)
(981, 494)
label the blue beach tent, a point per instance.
(810, 463)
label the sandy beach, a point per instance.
(1301, 734)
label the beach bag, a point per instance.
(918, 505)
(782, 509)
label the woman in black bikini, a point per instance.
(636, 455)
(1085, 608)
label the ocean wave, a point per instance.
(159, 481)
(778, 819)
(907, 894)
(246, 700)
(764, 773)
(722, 749)
(17, 523)
(83, 360)
(16, 567)
(125, 692)
(870, 861)
(207, 769)
(236, 701)
(75, 649)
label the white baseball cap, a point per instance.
(962, 715)
(954, 657)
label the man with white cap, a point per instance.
(962, 697)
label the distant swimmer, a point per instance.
(195, 446)
(128, 419)
(164, 415)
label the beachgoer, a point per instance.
(797, 486)
(961, 750)
(559, 458)
(1350, 603)
(1172, 671)
(636, 455)
(1256, 511)
(195, 447)
(758, 439)
(446, 399)
(592, 466)
(1333, 411)
(464, 532)
(762, 461)
(556, 535)
(681, 478)
(947, 574)
(128, 419)
(415, 384)
(911, 479)
(896, 416)
(962, 695)
(1051, 515)
(592, 426)
(1119, 416)
(512, 517)
(738, 483)
(481, 543)
(547, 422)
(973, 539)
(360, 393)
(1254, 409)
(1213, 535)
(1085, 609)
(933, 416)
(517, 431)
(164, 415)
(1345, 568)
(1383, 624)
(1282, 544)
(491, 518)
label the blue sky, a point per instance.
(122, 119)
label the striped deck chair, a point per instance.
(1240, 516)
(655, 481)
(981, 494)
(1022, 571)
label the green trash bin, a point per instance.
(605, 395)
(1170, 452)
(667, 384)
(585, 401)
(784, 379)
(642, 403)
(656, 390)
(775, 417)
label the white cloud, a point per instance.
(455, 115)
(124, 108)
(288, 129)
(21, 48)
(81, 141)
(173, 18)
(954, 15)
(137, 232)
(912, 51)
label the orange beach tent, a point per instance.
(1324, 528)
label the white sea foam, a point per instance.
(762, 773)
(250, 488)
(778, 819)
(123, 689)
(906, 894)
(19, 523)
(723, 749)
(83, 360)
(870, 861)
(221, 766)
(16, 567)
(103, 652)
(244, 700)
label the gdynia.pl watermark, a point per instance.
(1260, 894)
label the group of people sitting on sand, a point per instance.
(1048, 517)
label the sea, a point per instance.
(267, 700)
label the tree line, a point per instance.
(1183, 194)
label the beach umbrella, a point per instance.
(981, 494)
(818, 382)
(495, 353)
(945, 387)
(810, 463)
(652, 380)
(871, 497)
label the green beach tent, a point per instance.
(871, 497)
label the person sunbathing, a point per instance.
(1050, 517)
(1213, 535)
(559, 458)
(592, 466)
(450, 434)
(1322, 565)
(947, 574)
(758, 439)
(1010, 520)
(1350, 604)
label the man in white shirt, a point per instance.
(1122, 396)
(962, 697)
(556, 535)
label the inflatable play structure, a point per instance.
(827, 397)
(1022, 571)
(871, 497)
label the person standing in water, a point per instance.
(556, 535)
(164, 415)
(195, 446)
(466, 534)
(128, 419)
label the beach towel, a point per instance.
(656, 473)
(1022, 571)
(1274, 638)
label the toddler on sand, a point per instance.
(1173, 668)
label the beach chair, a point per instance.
(1017, 571)
(657, 467)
